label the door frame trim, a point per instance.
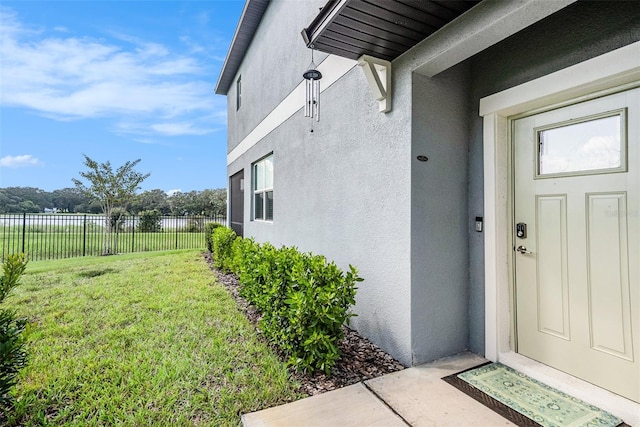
(611, 72)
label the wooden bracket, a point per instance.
(378, 74)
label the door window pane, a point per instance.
(590, 145)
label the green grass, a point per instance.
(140, 339)
(66, 243)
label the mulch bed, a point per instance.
(360, 359)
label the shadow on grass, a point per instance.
(95, 273)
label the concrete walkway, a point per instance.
(415, 397)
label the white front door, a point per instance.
(577, 260)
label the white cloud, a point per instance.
(194, 47)
(174, 191)
(198, 126)
(184, 128)
(19, 161)
(142, 86)
(204, 17)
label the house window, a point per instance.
(238, 93)
(263, 189)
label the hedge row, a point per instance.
(209, 227)
(304, 299)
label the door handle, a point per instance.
(523, 250)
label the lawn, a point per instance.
(66, 242)
(140, 339)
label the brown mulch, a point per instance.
(360, 359)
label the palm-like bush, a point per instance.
(12, 330)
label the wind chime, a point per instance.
(312, 85)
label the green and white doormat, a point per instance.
(543, 404)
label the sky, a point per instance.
(116, 81)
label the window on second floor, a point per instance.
(238, 93)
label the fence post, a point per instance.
(176, 222)
(24, 228)
(133, 232)
(84, 236)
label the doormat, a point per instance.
(527, 402)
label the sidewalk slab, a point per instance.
(350, 406)
(422, 398)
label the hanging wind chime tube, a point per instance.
(312, 93)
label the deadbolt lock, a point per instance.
(521, 230)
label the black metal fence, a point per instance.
(52, 236)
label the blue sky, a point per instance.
(117, 81)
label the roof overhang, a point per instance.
(484, 24)
(249, 21)
(383, 29)
(476, 26)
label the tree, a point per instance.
(184, 203)
(213, 202)
(91, 207)
(206, 202)
(150, 221)
(24, 199)
(111, 189)
(148, 201)
(209, 202)
(68, 199)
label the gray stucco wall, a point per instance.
(353, 190)
(579, 32)
(342, 190)
(278, 57)
(439, 248)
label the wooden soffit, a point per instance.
(382, 29)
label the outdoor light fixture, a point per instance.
(312, 85)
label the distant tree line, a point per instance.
(34, 200)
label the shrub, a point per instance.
(194, 225)
(222, 242)
(209, 227)
(317, 306)
(150, 221)
(13, 330)
(304, 300)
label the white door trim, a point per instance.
(615, 69)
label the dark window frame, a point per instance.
(239, 92)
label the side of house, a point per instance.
(400, 194)
(341, 186)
